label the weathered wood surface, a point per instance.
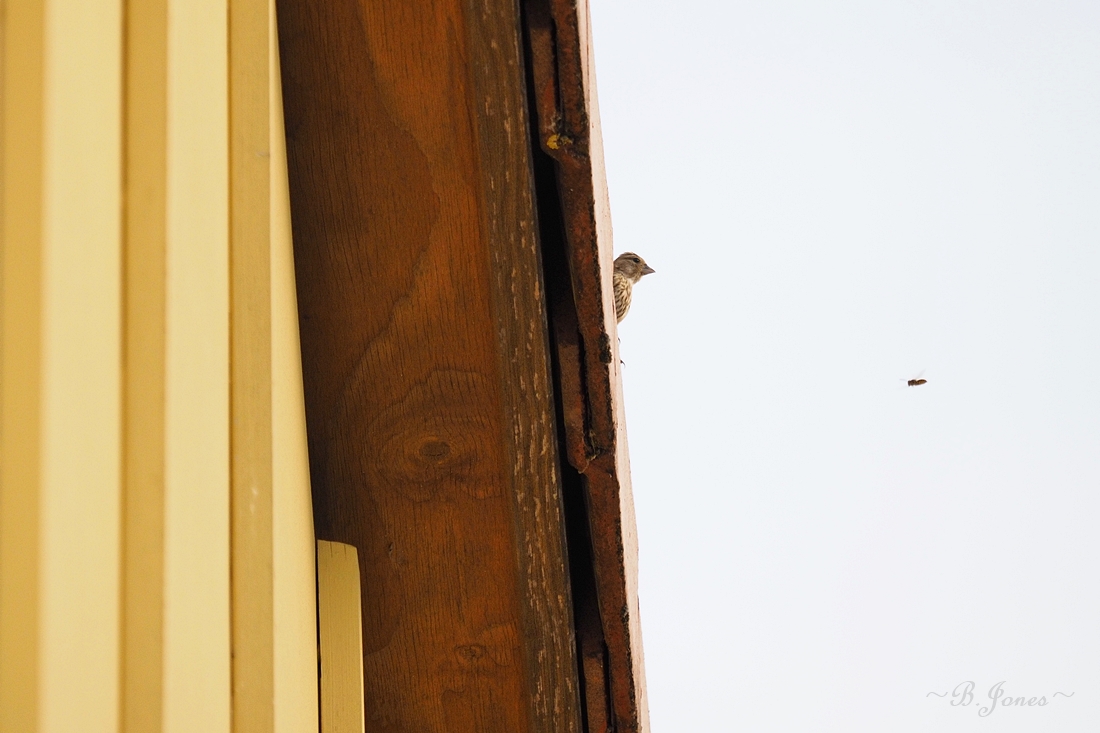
(432, 440)
(584, 327)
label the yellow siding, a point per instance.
(152, 429)
(21, 352)
(250, 376)
(78, 581)
(341, 635)
(295, 611)
(197, 453)
(144, 341)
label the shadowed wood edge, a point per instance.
(567, 117)
(519, 309)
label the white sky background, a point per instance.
(836, 196)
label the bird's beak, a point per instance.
(647, 270)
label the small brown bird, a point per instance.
(629, 269)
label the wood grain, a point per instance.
(432, 439)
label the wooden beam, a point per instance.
(432, 438)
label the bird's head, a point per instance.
(633, 266)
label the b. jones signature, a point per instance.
(963, 695)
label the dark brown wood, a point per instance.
(424, 340)
(582, 309)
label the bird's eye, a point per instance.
(635, 259)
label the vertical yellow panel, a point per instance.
(197, 587)
(145, 130)
(20, 362)
(80, 431)
(177, 533)
(294, 582)
(251, 355)
(341, 636)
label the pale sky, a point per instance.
(837, 196)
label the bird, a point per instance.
(629, 269)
